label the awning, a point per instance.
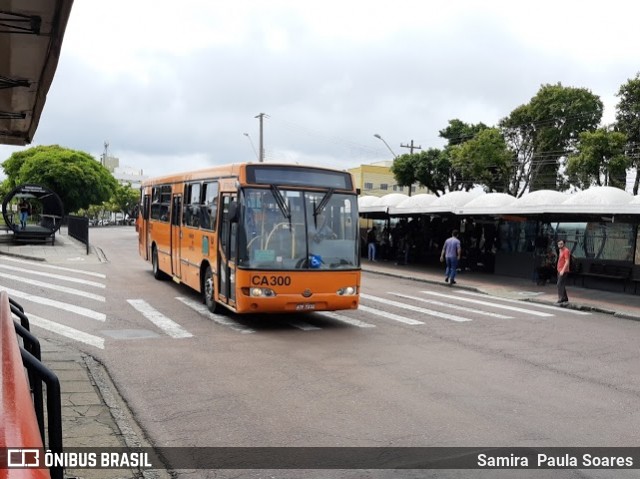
(31, 33)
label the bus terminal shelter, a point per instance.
(516, 237)
(44, 218)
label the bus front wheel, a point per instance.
(157, 274)
(208, 291)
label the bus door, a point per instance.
(227, 248)
(144, 233)
(176, 234)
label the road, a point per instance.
(416, 365)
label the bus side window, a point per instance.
(209, 207)
(192, 208)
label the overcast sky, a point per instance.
(174, 86)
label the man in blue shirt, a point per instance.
(451, 254)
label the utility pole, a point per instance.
(411, 148)
(261, 118)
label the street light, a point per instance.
(254, 148)
(386, 144)
(392, 152)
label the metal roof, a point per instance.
(31, 33)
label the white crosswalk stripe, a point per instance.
(55, 287)
(487, 303)
(417, 309)
(218, 318)
(61, 277)
(346, 319)
(304, 326)
(70, 308)
(452, 306)
(167, 325)
(50, 266)
(537, 305)
(387, 315)
(66, 331)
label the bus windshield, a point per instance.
(288, 229)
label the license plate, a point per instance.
(305, 306)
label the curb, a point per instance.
(22, 256)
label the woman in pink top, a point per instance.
(564, 259)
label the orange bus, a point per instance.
(256, 237)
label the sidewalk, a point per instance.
(93, 414)
(620, 304)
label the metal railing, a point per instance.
(78, 228)
(23, 405)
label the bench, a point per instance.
(607, 271)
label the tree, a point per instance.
(483, 160)
(433, 170)
(125, 199)
(546, 130)
(628, 122)
(75, 176)
(600, 160)
(458, 131)
(404, 170)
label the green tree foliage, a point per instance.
(457, 132)
(628, 122)
(125, 199)
(483, 160)
(404, 170)
(546, 130)
(433, 170)
(600, 160)
(75, 176)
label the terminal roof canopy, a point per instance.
(596, 200)
(31, 33)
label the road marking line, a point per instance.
(55, 287)
(487, 303)
(302, 325)
(169, 326)
(69, 308)
(531, 303)
(202, 309)
(346, 319)
(50, 266)
(429, 312)
(386, 315)
(66, 331)
(54, 276)
(452, 306)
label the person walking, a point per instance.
(24, 213)
(564, 260)
(450, 255)
(371, 244)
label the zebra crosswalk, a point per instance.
(69, 303)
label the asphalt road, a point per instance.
(417, 365)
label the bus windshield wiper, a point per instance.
(325, 199)
(282, 204)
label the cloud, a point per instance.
(176, 87)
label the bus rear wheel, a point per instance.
(208, 290)
(157, 274)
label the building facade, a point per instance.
(376, 179)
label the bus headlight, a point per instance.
(261, 292)
(348, 291)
